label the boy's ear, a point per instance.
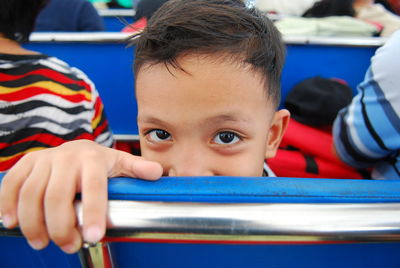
(276, 131)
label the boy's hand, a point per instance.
(39, 191)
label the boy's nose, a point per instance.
(190, 163)
(186, 170)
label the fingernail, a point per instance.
(36, 244)
(7, 220)
(92, 234)
(71, 248)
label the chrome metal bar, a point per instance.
(96, 256)
(116, 12)
(102, 37)
(253, 222)
(239, 223)
(76, 37)
(336, 41)
(249, 222)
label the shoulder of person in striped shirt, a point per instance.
(367, 132)
(43, 103)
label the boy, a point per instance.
(207, 88)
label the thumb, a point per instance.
(128, 165)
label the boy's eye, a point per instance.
(226, 137)
(158, 135)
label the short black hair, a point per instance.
(17, 18)
(206, 27)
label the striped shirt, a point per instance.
(367, 133)
(43, 103)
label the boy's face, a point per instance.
(214, 118)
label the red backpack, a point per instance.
(307, 152)
(307, 147)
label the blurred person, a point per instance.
(326, 8)
(69, 16)
(43, 101)
(365, 10)
(391, 5)
(328, 18)
(144, 11)
(285, 7)
(343, 26)
(367, 132)
(369, 11)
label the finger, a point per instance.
(10, 187)
(135, 167)
(30, 207)
(94, 202)
(60, 214)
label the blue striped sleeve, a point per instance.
(367, 132)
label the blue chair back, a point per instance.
(108, 62)
(14, 252)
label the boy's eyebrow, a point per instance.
(218, 119)
(151, 120)
(226, 118)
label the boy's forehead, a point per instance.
(192, 67)
(204, 87)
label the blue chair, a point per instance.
(236, 222)
(108, 62)
(347, 59)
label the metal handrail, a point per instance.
(76, 37)
(101, 37)
(254, 223)
(335, 41)
(116, 12)
(248, 223)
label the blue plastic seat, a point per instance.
(144, 247)
(108, 62)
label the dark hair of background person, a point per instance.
(17, 18)
(390, 5)
(228, 27)
(146, 8)
(113, 4)
(326, 8)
